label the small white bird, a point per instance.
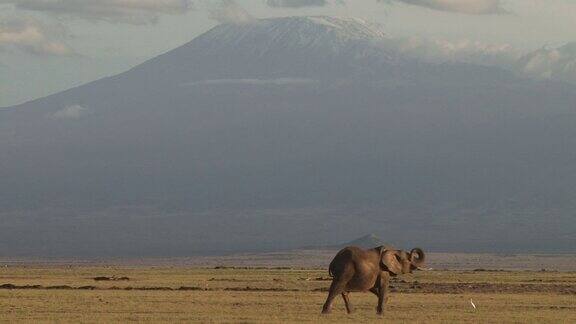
(472, 303)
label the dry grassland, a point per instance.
(61, 294)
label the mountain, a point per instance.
(290, 132)
(317, 47)
(554, 64)
(367, 242)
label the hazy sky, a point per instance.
(51, 45)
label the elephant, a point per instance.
(356, 270)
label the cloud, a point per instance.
(296, 3)
(229, 11)
(71, 112)
(471, 7)
(464, 50)
(126, 11)
(277, 82)
(34, 37)
(550, 63)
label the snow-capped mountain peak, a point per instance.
(292, 47)
(292, 31)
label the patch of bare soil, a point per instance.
(399, 286)
(111, 279)
(65, 287)
(258, 289)
(462, 288)
(500, 288)
(316, 279)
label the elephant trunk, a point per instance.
(417, 257)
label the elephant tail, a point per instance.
(336, 266)
(331, 268)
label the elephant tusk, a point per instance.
(424, 269)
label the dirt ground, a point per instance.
(104, 293)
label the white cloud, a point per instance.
(296, 3)
(71, 112)
(279, 81)
(32, 36)
(551, 63)
(464, 50)
(471, 7)
(127, 11)
(229, 11)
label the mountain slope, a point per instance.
(322, 47)
(367, 242)
(285, 133)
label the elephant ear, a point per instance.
(389, 261)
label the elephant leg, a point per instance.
(376, 292)
(349, 308)
(383, 282)
(336, 288)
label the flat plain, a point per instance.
(68, 292)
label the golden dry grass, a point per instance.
(295, 298)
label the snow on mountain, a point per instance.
(317, 33)
(295, 47)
